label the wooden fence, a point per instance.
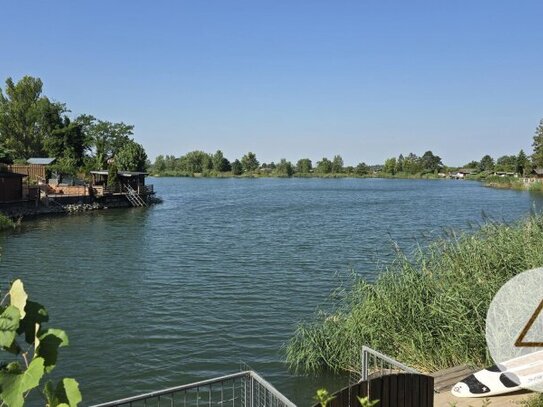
(395, 390)
(34, 171)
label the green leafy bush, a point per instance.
(31, 352)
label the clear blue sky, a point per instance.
(286, 78)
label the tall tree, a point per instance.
(104, 138)
(337, 164)
(195, 162)
(304, 166)
(249, 162)
(237, 168)
(220, 163)
(324, 166)
(284, 168)
(68, 144)
(27, 117)
(131, 157)
(362, 169)
(522, 163)
(506, 163)
(486, 163)
(390, 166)
(399, 163)
(537, 156)
(412, 164)
(430, 162)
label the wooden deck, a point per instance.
(445, 379)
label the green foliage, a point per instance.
(323, 397)
(67, 144)
(534, 401)
(284, 168)
(365, 402)
(33, 126)
(25, 318)
(304, 166)
(324, 166)
(249, 162)
(390, 166)
(537, 156)
(237, 167)
(506, 163)
(113, 176)
(427, 310)
(131, 157)
(65, 394)
(486, 163)
(105, 139)
(220, 163)
(195, 162)
(6, 155)
(522, 164)
(472, 165)
(6, 222)
(337, 164)
(430, 162)
(27, 118)
(413, 165)
(362, 169)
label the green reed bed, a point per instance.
(6, 222)
(428, 311)
(513, 183)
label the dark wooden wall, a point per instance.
(11, 189)
(395, 390)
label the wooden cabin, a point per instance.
(537, 173)
(134, 179)
(35, 168)
(11, 187)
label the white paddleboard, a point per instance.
(506, 377)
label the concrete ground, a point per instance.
(446, 399)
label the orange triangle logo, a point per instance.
(520, 342)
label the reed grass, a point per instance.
(6, 222)
(428, 310)
(533, 401)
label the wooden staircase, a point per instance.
(133, 197)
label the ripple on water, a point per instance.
(218, 275)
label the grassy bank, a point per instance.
(428, 312)
(513, 183)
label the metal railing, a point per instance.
(244, 389)
(376, 364)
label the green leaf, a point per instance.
(15, 385)
(18, 296)
(68, 392)
(9, 322)
(49, 394)
(35, 314)
(49, 342)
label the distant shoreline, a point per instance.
(333, 175)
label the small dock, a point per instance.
(445, 379)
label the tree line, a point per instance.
(200, 162)
(429, 164)
(33, 125)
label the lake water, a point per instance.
(220, 273)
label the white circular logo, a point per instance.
(514, 331)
